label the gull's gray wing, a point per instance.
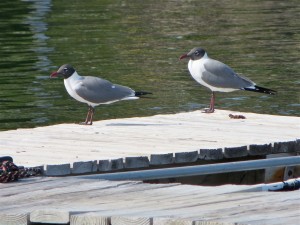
(97, 90)
(217, 74)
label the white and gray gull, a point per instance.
(93, 91)
(217, 76)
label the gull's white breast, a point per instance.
(71, 84)
(196, 68)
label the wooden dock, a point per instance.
(85, 201)
(143, 142)
(160, 141)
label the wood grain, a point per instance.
(172, 221)
(89, 219)
(14, 219)
(122, 220)
(50, 216)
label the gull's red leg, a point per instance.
(212, 104)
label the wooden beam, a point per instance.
(200, 170)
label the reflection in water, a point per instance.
(137, 44)
(38, 26)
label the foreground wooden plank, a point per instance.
(14, 219)
(89, 218)
(58, 200)
(50, 216)
(215, 223)
(172, 221)
(122, 220)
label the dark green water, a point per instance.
(138, 43)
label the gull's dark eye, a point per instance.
(66, 69)
(197, 53)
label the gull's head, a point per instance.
(194, 54)
(64, 71)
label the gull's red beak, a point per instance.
(183, 56)
(54, 74)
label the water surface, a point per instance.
(138, 43)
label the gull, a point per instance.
(217, 76)
(93, 91)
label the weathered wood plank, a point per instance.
(14, 219)
(137, 199)
(58, 170)
(215, 223)
(116, 164)
(263, 149)
(50, 216)
(186, 157)
(284, 147)
(122, 220)
(235, 152)
(136, 162)
(104, 165)
(89, 219)
(84, 167)
(161, 159)
(172, 221)
(211, 154)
